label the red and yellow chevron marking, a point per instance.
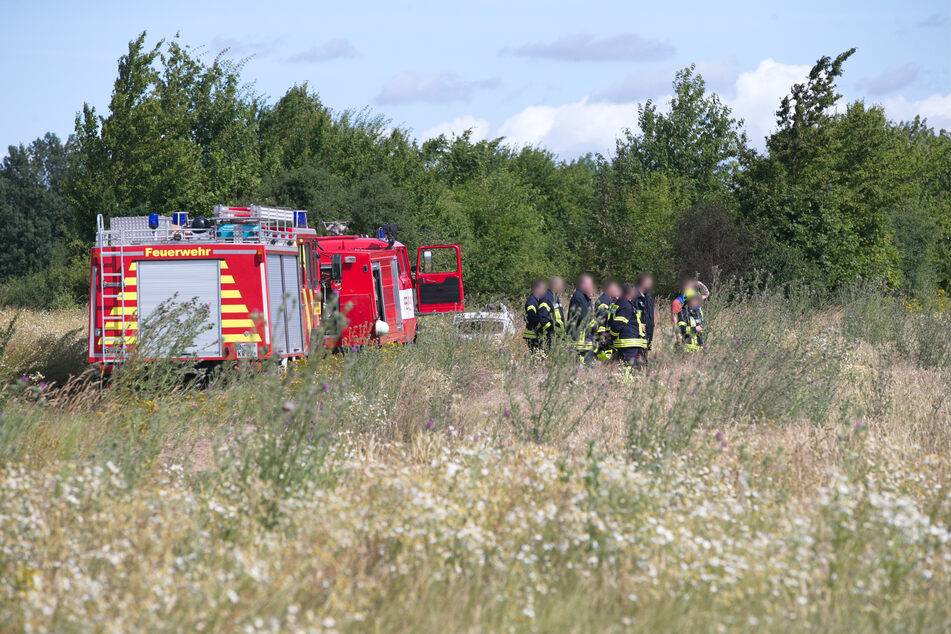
(125, 308)
(236, 323)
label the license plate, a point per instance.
(246, 350)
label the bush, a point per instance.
(64, 284)
(708, 236)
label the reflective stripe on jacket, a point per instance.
(556, 313)
(687, 321)
(582, 322)
(602, 310)
(533, 324)
(627, 327)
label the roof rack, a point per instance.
(229, 225)
(261, 214)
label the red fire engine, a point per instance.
(267, 280)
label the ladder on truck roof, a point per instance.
(116, 349)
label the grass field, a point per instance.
(794, 476)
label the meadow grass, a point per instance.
(795, 475)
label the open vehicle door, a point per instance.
(439, 279)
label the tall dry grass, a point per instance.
(49, 346)
(794, 476)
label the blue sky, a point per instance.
(566, 75)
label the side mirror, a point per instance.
(336, 268)
(427, 261)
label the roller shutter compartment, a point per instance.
(397, 304)
(283, 291)
(176, 282)
(292, 303)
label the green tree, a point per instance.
(299, 131)
(697, 139)
(180, 136)
(707, 237)
(823, 195)
(347, 167)
(635, 224)
(806, 110)
(836, 195)
(922, 224)
(564, 194)
(505, 245)
(460, 159)
(33, 211)
(674, 160)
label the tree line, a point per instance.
(837, 194)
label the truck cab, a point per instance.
(371, 293)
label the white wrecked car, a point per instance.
(494, 321)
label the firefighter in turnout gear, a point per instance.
(537, 317)
(628, 329)
(582, 321)
(690, 284)
(552, 301)
(690, 321)
(645, 283)
(603, 312)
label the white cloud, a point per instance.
(479, 127)
(585, 47)
(636, 86)
(242, 47)
(329, 50)
(571, 129)
(934, 20)
(936, 109)
(890, 79)
(758, 94)
(593, 125)
(435, 88)
(719, 75)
